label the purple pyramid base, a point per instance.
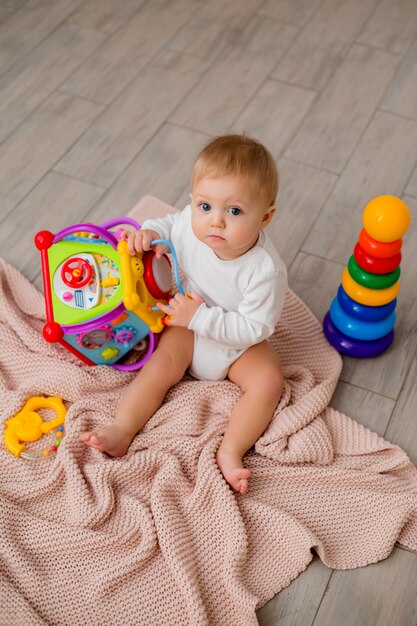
(355, 347)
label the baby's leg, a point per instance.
(258, 373)
(146, 392)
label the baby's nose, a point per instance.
(217, 219)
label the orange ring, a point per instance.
(380, 249)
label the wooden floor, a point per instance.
(103, 101)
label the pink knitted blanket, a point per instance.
(158, 537)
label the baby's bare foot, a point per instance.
(113, 440)
(230, 465)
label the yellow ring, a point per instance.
(369, 297)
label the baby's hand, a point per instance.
(181, 309)
(140, 241)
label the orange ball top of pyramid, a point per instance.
(386, 218)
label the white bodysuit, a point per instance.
(243, 297)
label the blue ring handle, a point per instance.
(175, 261)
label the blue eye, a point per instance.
(204, 206)
(235, 211)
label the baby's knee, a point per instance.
(165, 365)
(269, 384)
(170, 361)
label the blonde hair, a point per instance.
(241, 156)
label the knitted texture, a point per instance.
(158, 537)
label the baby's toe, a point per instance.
(239, 481)
(244, 486)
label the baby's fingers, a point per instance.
(138, 241)
(131, 242)
(192, 295)
(164, 308)
(146, 238)
(159, 250)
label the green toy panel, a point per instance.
(72, 307)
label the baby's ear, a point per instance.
(268, 215)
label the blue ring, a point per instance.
(358, 329)
(362, 311)
(355, 347)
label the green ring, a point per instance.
(372, 281)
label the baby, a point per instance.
(236, 283)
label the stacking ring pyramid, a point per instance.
(361, 318)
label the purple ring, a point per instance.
(91, 228)
(117, 221)
(96, 322)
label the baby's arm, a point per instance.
(253, 321)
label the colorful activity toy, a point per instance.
(100, 300)
(360, 322)
(28, 426)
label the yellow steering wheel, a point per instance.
(28, 426)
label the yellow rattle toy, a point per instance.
(28, 426)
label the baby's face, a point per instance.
(227, 214)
